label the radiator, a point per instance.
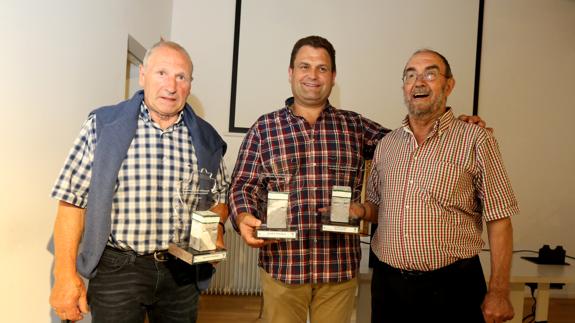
(238, 274)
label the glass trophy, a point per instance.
(276, 223)
(195, 227)
(338, 220)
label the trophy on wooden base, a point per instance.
(196, 231)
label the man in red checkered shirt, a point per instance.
(432, 184)
(304, 149)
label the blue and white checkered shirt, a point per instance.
(159, 172)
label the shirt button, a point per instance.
(407, 207)
(410, 182)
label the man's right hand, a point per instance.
(356, 211)
(68, 297)
(247, 224)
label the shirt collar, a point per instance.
(145, 116)
(290, 101)
(441, 125)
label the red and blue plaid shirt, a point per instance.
(283, 152)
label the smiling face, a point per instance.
(311, 77)
(424, 98)
(166, 79)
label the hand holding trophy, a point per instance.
(337, 217)
(275, 224)
(196, 227)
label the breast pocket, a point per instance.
(344, 170)
(280, 172)
(447, 182)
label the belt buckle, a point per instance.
(161, 256)
(411, 274)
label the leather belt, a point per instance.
(158, 256)
(461, 264)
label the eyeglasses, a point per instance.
(429, 75)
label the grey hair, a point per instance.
(172, 45)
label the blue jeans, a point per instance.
(126, 287)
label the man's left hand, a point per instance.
(220, 241)
(497, 307)
(222, 210)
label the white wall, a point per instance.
(206, 29)
(269, 30)
(527, 81)
(59, 60)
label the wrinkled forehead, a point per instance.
(311, 52)
(424, 60)
(165, 54)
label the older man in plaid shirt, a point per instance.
(433, 181)
(118, 191)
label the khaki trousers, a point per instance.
(326, 302)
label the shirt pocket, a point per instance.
(445, 182)
(344, 169)
(280, 172)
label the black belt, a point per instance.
(158, 256)
(456, 267)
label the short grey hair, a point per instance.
(172, 45)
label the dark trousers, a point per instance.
(450, 294)
(126, 287)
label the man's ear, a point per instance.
(333, 79)
(449, 86)
(141, 76)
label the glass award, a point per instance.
(276, 222)
(337, 219)
(195, 227)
